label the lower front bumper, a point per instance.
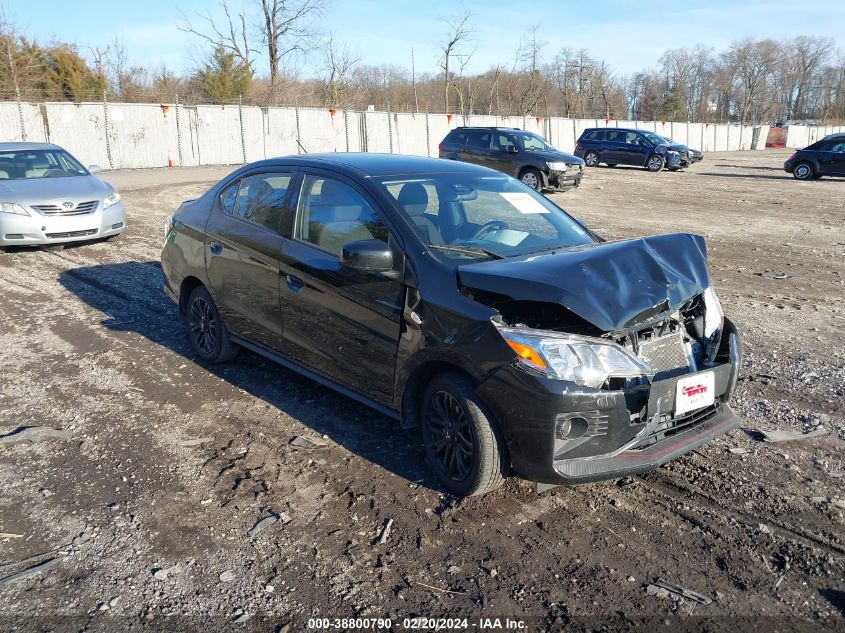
(558, 181)
(38, 230)
(621, 432)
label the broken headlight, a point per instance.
(714, 321)
(583, 360)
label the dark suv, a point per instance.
(823, 158)
(452, 297)
(517, 153)
(621, 146)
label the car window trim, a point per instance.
(263, 170)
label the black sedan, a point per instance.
(823, 158)
(455, 298)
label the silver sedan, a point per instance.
(48, 197)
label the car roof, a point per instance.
(489, 127)
(366, 164)
(23, 146)
(615, 129)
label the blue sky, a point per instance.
(629, 35)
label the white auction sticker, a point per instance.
(694, 392)
(524, 203)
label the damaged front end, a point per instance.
(606, 387)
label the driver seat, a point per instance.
(413, 198)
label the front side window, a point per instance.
(259, 199)
(462, 216)
(332, 213)
(532, 142)
(33, 164)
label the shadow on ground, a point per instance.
(131, 294)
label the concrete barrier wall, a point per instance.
(29, 115)
(154, 135)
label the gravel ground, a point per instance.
(147, 509)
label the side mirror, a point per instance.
(372, 256)
(512, 149)
(94, 168)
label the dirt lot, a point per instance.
(148, 529)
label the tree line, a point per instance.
(752, 81)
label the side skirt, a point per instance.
(323, 380)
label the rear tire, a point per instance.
(532, 178)
(209, 335)
(803, 171)
(591, 159)
(655, 163)
(462, 442)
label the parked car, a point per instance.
(452, 297)
(823, 158)
(48, 197)
(520, 154)
(621, 146)
(694, 154)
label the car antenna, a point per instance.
(301, 147)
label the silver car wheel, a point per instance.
(530, 179)
(803, 171)
(591, 158)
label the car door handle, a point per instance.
(215, 247)
(294, 283)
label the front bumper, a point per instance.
(37, 229)
(788, 166)
(563, 180)
(626, 431)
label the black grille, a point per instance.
(72, 234)
(83, 208)
(669, 426)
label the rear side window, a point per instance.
(593, 135)
(259, 199)
(456, 139)
(479, 141)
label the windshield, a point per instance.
(39, 163)
(467, 216)
(532, 142)
(654, 138)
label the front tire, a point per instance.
(532, 178)
(209, 335)
(655, 163)
(591, 159)
(803, 171)
(462, 443)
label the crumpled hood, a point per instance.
(555, 155)
(613, 285)
(36, 190)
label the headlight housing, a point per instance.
(714, 316)
(111, 200)
(583, 360)
(557, 166)
(12, 207)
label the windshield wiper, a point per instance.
(465, 250)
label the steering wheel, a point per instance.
(492, 225)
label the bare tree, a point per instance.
(804, 58)
(286, 27)
(20, 64)
(454, 52)
(754, 63)
(338, 62)
(233, 36)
